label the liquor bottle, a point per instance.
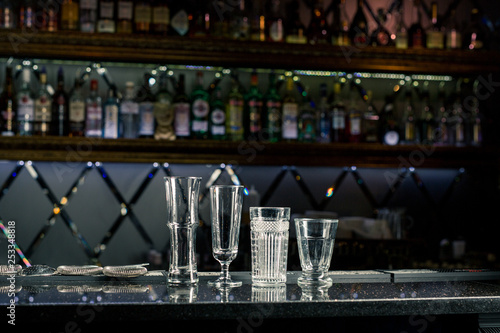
(181, 107)
(354, 120)
(111, 126)
(435, 34)
(106, 22)
(49, 15)
(179, 20)
(60, 107)
(76, 111)
(409, 119)
(88, 15)
(290, 113)
(272, 112)
(475, 35)
(318, 31)
(43, 107)
(253, 110)
(201, 22)
(70, 15)
(475, 124)
(340, 26)
(163, 111)
(371, 121)
(129, 113)
(27, 12)
(93, 112)
(239, 26)
(443, 123)
(124, 14)
(142, 16)
(295, 31)
(145, 98)
(323, 116)
(222, 14)
(25, 105)
(307, 119)
(8, 19)
(217, 116)
(401, 30)
(8, 105)
(426, 125)
(416, 34)
(200, 109)
(389, 129)
(456, 134)
(234, 112)
(161, 17)
(358, 31)
(453, 33)
(274, 24)
(338, 132)
(257, 22)
(380, 36)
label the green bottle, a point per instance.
(272, 112)
(253, 110)
(217, 121)
(200, 109)
(234, 113)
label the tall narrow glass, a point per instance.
(315, 240)
(226, 203)
(182, 195)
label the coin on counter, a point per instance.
(79, 270)
(125, 271)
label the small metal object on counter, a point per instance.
(79, 270)
(125, 289)
(125, 271)
(10, 269)
(80, 289)
(38, 270)
(8, 289)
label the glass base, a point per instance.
(225, 283)
(318, 282)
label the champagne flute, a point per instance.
(226, 204)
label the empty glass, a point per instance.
(269, 236)
(315, 241)
(182, 195)
(226, 203)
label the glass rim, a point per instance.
(315, 219)
(270, 208)
(181, 177)
(227, 186)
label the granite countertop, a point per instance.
(353, 293)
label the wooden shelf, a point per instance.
(65, 149)
(232, 53)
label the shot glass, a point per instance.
(315, 240)
(269, 244)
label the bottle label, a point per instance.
(355, 125)
(111, 121)
(181, 116)
(435, 40)
(409, 131)
(200, 126)
(418, 40)
(125, 10)
(290, 114)
(273, 117)
(93, 122)
(143, 14)
(107, 10)
(25, 109)
(454, 40)
(129, 108)
(218, 119)
(161, 15)
(77, 111)
(43, 110)
(401, 40)
(338, 119)
(200, 108)
(235, 116)
(255, 110)
(146, 121)
(88, 4)
(180, 22)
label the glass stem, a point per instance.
(225, 271)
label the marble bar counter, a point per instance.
(368, 301)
